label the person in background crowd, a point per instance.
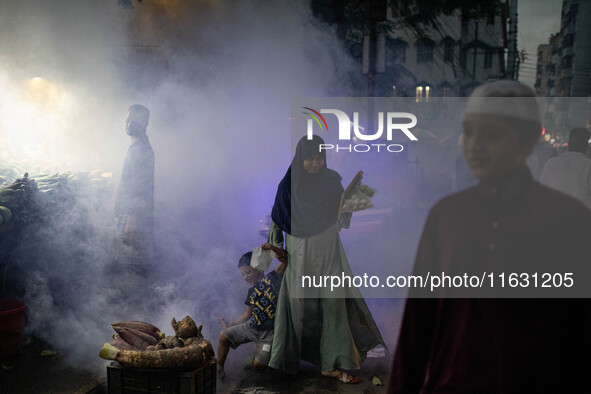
(542, 152)
(571, 171)
(507, 223)
(134, 201)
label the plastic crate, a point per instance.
(124, 380)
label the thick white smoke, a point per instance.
(218, 77)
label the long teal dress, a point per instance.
(329, 329)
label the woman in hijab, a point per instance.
(331, 328)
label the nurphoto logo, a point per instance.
(390, 122)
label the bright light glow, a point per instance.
(33, 124)
(419, 94)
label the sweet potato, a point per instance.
(169, 343)
(186, 328)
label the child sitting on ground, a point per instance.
(256, 323)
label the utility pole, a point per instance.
(521, 59)
(372, 46)
(474, 55)
(376, 12)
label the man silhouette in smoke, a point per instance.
(508, 223)
(134, 202)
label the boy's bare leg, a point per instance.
(223, 349)
(259, 365)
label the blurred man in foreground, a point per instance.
(472, 340)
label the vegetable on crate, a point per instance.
(53, 183)
(137, 339)
(140, 326)
(194, 355)
(19, 197)
(169, 342)
(186, 328)
(187, 348)
(121, 344)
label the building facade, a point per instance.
(421, 52)
(575, 49)
(564, 70)
(545, 70)
(448, 58)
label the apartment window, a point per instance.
(463, 58)
(573, 11)
(488, 55)
(448, 50)
(568, 41)
(490, 18)
(424, 50)
(397, 51)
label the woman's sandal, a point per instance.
(343, 376)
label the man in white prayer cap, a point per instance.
(134, 201)
(515, 334)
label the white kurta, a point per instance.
(569, 173)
